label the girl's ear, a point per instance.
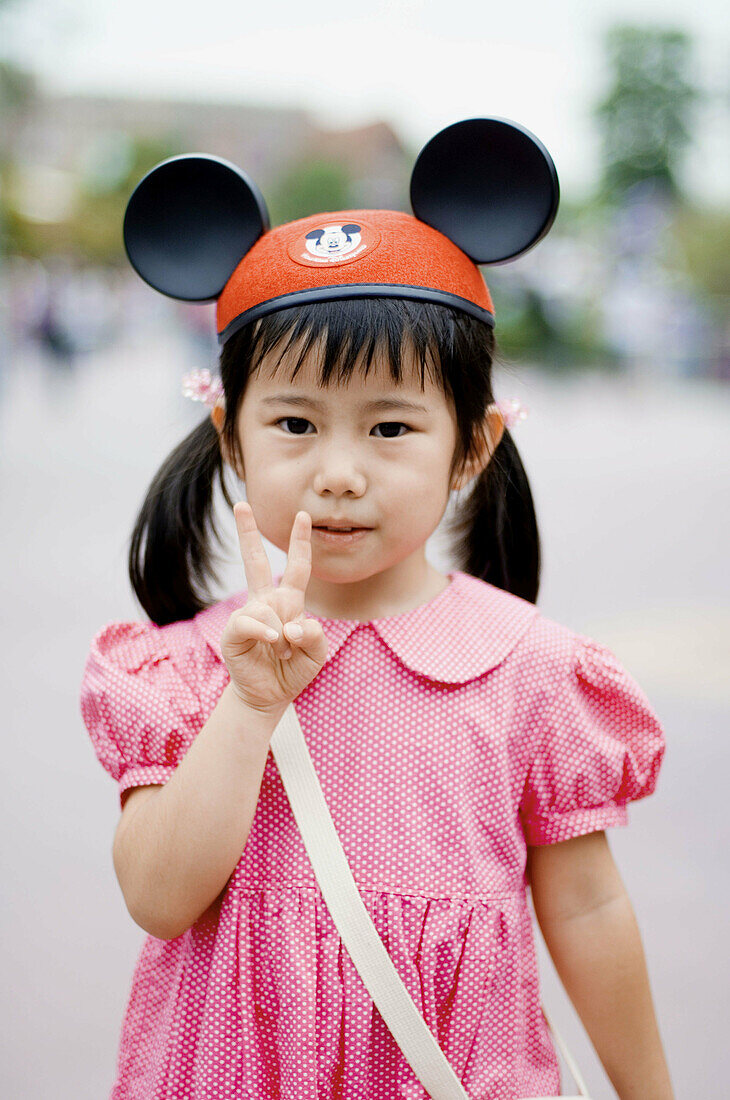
(488, 185)
(217, 415)
(189, 222)
(493, 429)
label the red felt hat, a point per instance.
(362, 253)
(483, 191)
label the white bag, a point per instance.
(358, 933)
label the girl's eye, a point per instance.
(383, 423)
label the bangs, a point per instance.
(349, 334)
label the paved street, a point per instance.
(631, 484)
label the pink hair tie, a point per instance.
(201, 386)
(512, 410)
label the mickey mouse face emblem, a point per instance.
(333, 243)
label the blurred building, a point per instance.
(68, 133)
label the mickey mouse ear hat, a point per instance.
(483, 191)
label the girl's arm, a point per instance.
(174, 855)
(588, 924)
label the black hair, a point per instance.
(493, 533)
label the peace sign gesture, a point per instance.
(268, 670)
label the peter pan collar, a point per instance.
(468, 629)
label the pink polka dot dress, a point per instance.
(446, 739)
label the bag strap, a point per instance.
(356, 929)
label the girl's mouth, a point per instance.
(340, 538)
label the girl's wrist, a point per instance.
(251, 721)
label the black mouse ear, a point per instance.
(488, 185)
(189, 222)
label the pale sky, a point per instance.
(418, 65)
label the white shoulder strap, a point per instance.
(358, 933)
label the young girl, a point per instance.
(467, 746)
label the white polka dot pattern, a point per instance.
(445, 739)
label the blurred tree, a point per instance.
(93, 225)
(307, 187)
(17, 86)
(702, 237)
(109, 179)
(18, 89)
(526, 329)
(645, 119)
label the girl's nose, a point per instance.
(338, 476)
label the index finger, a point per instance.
(255, 562)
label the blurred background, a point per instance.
(613, 331)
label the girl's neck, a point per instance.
(432, 584)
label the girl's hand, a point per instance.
(262, 674)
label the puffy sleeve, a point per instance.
(600, 746)
(138, 704)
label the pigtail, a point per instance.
(494, 534)
(170, 574)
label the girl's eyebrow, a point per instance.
(381, 403)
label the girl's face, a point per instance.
(325, 451)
